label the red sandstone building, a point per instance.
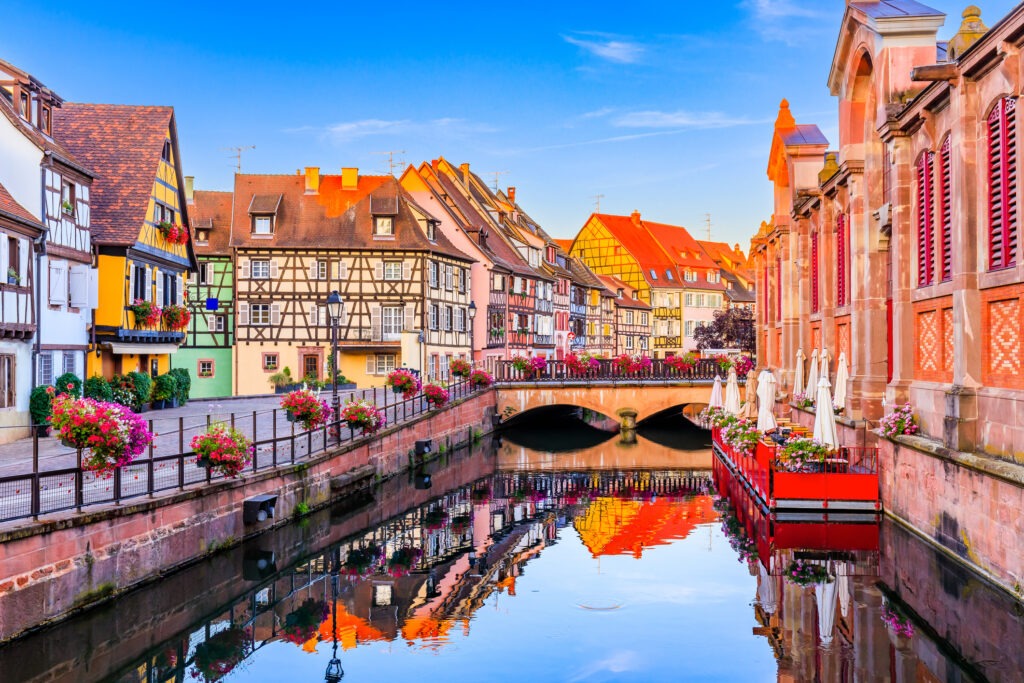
(901, 248)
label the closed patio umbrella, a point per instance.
(842, 378)
(767, 592)
(812, 376)
(824, 417)
(765, 401)
(749, 409)
(716, 394)
(843, 579)
(825, 597)
(798, 374)
(823, 364)
(732, 394)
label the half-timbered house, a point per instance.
(210, 296)
(632, 318)
(135, 199)
(298, 238)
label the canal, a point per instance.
(553, 553)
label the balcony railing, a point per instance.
(577, 309)
(543, 340)
(667, 342)
(666, 312)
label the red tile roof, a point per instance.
(628, 299)
(12, 208)
(564, 244)
(212, 211)
(640, 242)
(122, 145)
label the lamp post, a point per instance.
(472, 315)
(334, 308)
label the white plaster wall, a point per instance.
(19, 168)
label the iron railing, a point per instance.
(704, 370)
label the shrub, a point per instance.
(142, 386)
(98, 388)
(122, 390)
(184, 386)
(40, 404)
(165, 388)
(69, 384)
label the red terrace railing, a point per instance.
(851, 476)
(557, 371)
(40, 492)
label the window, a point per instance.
(13, 256)
(463, 279)
(23, 109)
(778, 288)
(141, 288)
(815, 303)
(629, 341)
(644, 318)
(1002, 185)
(713, 276)
(170, 288)
(202, 237)
(260, 269)
(392, 270)
(460, 319)
(689, 299)
(446, 321)
(690, 276)
(166, 153)
(668, 275)
(216, 323)
(842, 245)
(319, 270)
(925, 218)
(270, 362)
(385, 363)
(945, 214)
(391, 317)
(433, 316)
(432, 231)
(259, 314)
(205, 273)
(67, 197)
(433, 273)
(432, 366)
(629, 317)
(690, 324)
(383, 225)
(7, 381)
(45, 369)
(448, 279)
(263, 225)
(654, 276)
(205, 367)
(162, 213)
(699, 301)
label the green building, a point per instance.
(207, 350)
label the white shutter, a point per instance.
(406, 270)
(342, 270)
(94, 288)
(313, 322)
(273, 268)
(375, 322)
(312, 270)
(343, 319)
(131, 284)
(371, 364)
(3, 252)
(243, 313)
(243, 268)
(275, 314)
(179, 290)
(80, 286)
(210, 322)
(378, 271)
(159, 287)
(410, 316)
(56, 280)
(191, 278)
(148, 293)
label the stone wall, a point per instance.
(850, 432)
(967, 504)
(69, 561)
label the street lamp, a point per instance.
(334, 308)
(472, 315)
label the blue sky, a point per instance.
(665, 107)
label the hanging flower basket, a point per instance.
(302, 405)
(112, 433)
(363, 415)
(361, 562)
(435, 395)
(403, 382)
(402, 561)
(303, 623)
(224, 449)
(480, 379)
(218, 655)
(435, 519)
(897, 624)
(460, 367)
(460, 524)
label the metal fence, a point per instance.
(704, 370)
(277, 442)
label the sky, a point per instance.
(662, 107)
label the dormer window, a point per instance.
(383, 225)
(263, 211)
(44, 119)
(202, 236)
(690, 276)
(263, 225)
(654, 275)
(668, 275)
(432, 231)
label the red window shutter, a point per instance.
(778, 289)
(925, 217)
(945, 213)
(1002, 185)
(841, 260)
(815, 306)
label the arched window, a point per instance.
(925, 171)
(1002, 184)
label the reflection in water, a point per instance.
(516, 566)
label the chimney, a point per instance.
(190, 184)
(464, 169)
(349, 178)
(971, 29)
(511, 194)
(635, 217)
(312, 180)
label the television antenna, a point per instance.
(236, 154)
(597, 202)
(391, 159)
(707, 220)
(497, 175)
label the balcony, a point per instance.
(668, 342)
(495, 337)
(578, 309)
(543, 340)
(519, 338)
(666, 312)
(578, 342)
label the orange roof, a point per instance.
(628, 299)
(351, 630)
(614, 526)
(680, 245)
(632, 233)
(564, 244)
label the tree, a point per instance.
(732, 328)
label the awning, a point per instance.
(141, 349)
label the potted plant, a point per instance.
(403, 382)
(67, 208)
(803, 401)
(224, 449)
(479, 379)
(303, 622)
(164, 390)
(40, 407)
(631, 365)
(176, 317)
(460, 367)
(581, 363)
(804, 573)
(219, 654)
(143, 387)
(173, 233)
(361, 562)
(282, 380)
(802, 455)
(306, 407)
(113, 434)
(13, 278)
(362, 414)
(900, 421)
(741, 435)
(435, 395)
(147, 314)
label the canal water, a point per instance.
(556, 552)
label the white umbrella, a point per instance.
(798, 375)
(749, 410)
(825, 596)
(767, 593)
(843, 578)
(766, 401)
(732, 393)
(842, 377)
(812, 376)
(823, 363)
(716, 394)
(824, 417)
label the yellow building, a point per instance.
(136, 209)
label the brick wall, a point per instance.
(1002, 317)
(933, 339)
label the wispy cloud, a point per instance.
(680, 119)
(786, 21)
(347, 131)
(609, 48)
(615, 663)
(598, 113)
